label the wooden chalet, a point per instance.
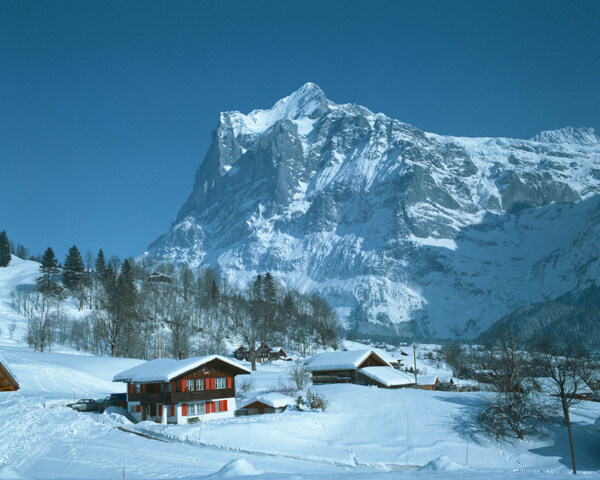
(344, 366)
(264, 353)
(8, 381)
(182, 391)
(267, 403)
(427, 382)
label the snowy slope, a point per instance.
(412, 232)
(20, 274)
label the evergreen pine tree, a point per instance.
(100, 264)
(74, 269)
(48, 270)
(21, 252)
(4, 249)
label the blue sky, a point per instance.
(106, 107)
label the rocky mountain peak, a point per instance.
(308, 102)
(570, 135)
(404, 232)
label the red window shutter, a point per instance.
(207, 384)
(183, 385)
(207, 407)
(229, 382)
(223, 405)
(143, 388)
(173, 386)
(184, 409)
(172, 410)
(212, 384)
(131, 388)
(138, 408)
(160, 410)
(213, 407)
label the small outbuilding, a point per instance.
(427, 382)
(8, 380)
(266, 403)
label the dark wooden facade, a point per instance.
(176, 390)
(7, 382)
(263, 353)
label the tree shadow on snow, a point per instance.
(464, 420)
(586, 443)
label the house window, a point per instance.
(199, 384)
(190, 384)
(221, 382)
(201, 408)
(217, 405)
(192, 410)
(138, 388)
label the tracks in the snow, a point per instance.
(352, 463)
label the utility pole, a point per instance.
(415, 361)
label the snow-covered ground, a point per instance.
(367, 433)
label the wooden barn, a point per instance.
(267, 403)
(182, 391)
(344, 366)
(8, 381)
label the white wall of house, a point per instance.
(182, 420)
(131, 408)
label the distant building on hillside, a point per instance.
(156, 277)
(8, 380)
(264, 352)
(344, 366)
(182, 391)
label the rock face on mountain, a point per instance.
(404, 232)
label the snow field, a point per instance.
(367, 433)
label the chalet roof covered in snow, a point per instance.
(344, 360)
(388, 376)
(166, 369)
(427, 380)
(273, 400)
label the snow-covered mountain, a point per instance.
(403, 231)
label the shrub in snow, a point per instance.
(313, 401)
(299, 376)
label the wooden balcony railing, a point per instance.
(177, 397)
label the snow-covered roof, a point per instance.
(388, 376)
(427, 380)
(273, 400)
(386, 356)
(165, 369)
(344, 360)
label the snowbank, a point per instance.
(8, 472)
(442, 464)
(236, 468)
